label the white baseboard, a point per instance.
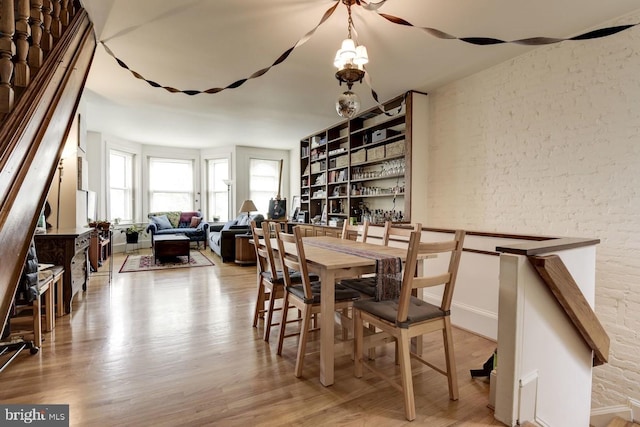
(601, 417)
(473, 319)
(635, 410)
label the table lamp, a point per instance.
(247, 206)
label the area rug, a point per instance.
(145, 262)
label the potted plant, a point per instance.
(132, 233)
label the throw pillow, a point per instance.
(162, 222)
(229, 224)
(244, 220)
(195, 221)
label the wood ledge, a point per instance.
(546, 246)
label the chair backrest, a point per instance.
(398, 235)
(292, 255)
(448, 278)
(376, 233)
(355, 232)
(264, 253)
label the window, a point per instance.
(263, 182)
(217, 191)
(170, 185)
(120, 186)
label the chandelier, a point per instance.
(349, 60)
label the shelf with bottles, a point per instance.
(359, 190)
(380, 216)
(378, 161)
(388, 168)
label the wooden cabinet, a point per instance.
(68, 248)
(245, 252)
(309, 230)
(362, 167)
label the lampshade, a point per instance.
(247, 206)
(348, 49)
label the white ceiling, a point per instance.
(200, 44)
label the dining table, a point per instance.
(332, 259)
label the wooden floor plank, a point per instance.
(176, 347)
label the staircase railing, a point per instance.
(548, 335)
(38, 100)
(559, 280)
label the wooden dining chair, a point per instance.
(397, 236)
(376, 233)
(268, 289)
(304, 296)
(269, 276)
(392, 236)
(409, 316)
(355, 232)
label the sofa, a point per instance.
(222, 238)
(189, 223)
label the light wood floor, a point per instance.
(176, 348)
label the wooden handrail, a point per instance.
(559, 280)
(31, 140)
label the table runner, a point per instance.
(388, 269)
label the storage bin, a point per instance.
(342, 161)
(376, 153)
(395, 149)
(359, 156)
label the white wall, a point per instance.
(548, 143)
(243, 157)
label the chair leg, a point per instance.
(272, 306)
(452, 375)
(283, 322)
(404, 350)
(48, 309)
(259, 303)
(358, 336)
(304, 335)
(372, 350)
(37, 322)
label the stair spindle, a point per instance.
(23, 31)
(7, 51)
(47, 38)
(56, 25)
(64, 13)
(35, 51)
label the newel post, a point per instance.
(23, 31)
(7, 51)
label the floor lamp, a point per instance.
(228, 183)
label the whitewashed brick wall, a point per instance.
(549, 143)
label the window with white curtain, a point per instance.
(121, 186)
(170, 185)
(218, 196)
(263, 182)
